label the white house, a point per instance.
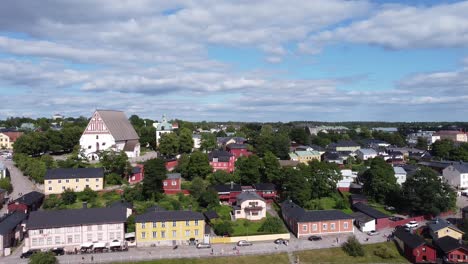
(349, 177)
(196, 141)
(457, 175)
(400, 174)
(365, 154)
(163, 128)
(364, 222)
(109, 130)
(250, 206)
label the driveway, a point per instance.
(21, 184)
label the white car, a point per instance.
(243, 243)
(412, 224)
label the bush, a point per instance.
(52, 202)
(69, 197)
(353, 248)
(271, 225)
(385, 252)
(222, 228)
(43, 258)
(113, 179)
(5, 184)
(88, 195)
(134, 194)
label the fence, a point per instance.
(405, 221)
(219, 240)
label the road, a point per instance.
(258, 248)
(21, 184)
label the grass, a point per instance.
(265, 259)
(243, 227)
(380, 208)
(102, 200)
(337, 255)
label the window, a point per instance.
(50, 188)
(143, 234)
(238, 212)
(103, 143)
(97, 179)
(196, 232)
(117, 235)
(87, 180)
(97, 186)
(41, 231)
(324, 227)
(90, 228)
(424, 249)
(304, 227)
(345, 225)
(165, 183)
(69, 239)
(143, 225)
(163, 234)
(332, 226)
(155, 234)
(174, 234)
(99, 227)
(34, 241)
(57, 240)
(163, 224)
(59, 181)
(97, 137)
(314, 227)
(66, 181)
(187, 233)
(50, 181)
(89, 147)
(154, 225)
(187, 223)
(63, 187)
(77, 238)
(111, 235)
(196, 222)
(89, 237)
(41, 241)
(174, 183)
(49, 241)
(99, 236)
(77, 229)
(174, 223)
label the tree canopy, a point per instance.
(155, 173)
(379, 180)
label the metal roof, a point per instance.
(292, 210)
(10, 221)
(30, 198)
(162, 216)
(118, 124)
(411, 240)
(73, 173)
(364, 208)
(244, 196)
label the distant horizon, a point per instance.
(261, 61)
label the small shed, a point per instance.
(364, 222)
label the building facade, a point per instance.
(172, 183)
(304, 156)
(456, 174)
(221, 160)
(400, 174)
(57, 181)
(365, 154)
(250, 206)
(163, 128)
(453, 135)
(8, 138)
(109, 130)
(70, 229)
(169, 228)
(238, 150)
(414, 247)
(11, 231)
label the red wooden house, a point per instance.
(414, 247)
(452, 250)
(228, 192)
(266, 190)
(171, 164)
(27, 203)
(138, 173)
(172, 184)
(238, 150)
(222, 160)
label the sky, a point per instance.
(227, 60)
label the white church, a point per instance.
(163, 128)
(109, 130)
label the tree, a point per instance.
(68, 197)
(169, 144)
(441, 148)
(155, 173)
(43, 258)
(197, 187)
(222, 228)
(208, 142)
(182, 165)
(353, 247)
(185, 141)
(136, 121)
(300, 135)
(271, 225)
(322, 177)
(421, 143)
(424, 193)
(221, 133)
(198, 166)
(296, 188)
(115, 162)
(88, 195)
(5, 184)
(209, 199)
(271, 169)
(54, 140)
(147, 138)
(71, 137)
(248, 169)
(134, 194)
(220, 177)
(52, 202)
(113, 179)
(379, 180)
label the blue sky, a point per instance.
(328, 60)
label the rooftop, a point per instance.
(161, 216)
(118, 125)
(364, 208)
(73, 173)
(172, 176)
(10, 221)
(29, 198)
(411, 240)
(448, 244)
(294, 211)
(245, 196)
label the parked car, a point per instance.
(243, 243)
(203, 245)
(28, 253)
(395, 218)
(389, 208)
(412, 224)
(315, 238)
(372, 233)
(281, 241)
(58, 251)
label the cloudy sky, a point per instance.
(329, 60)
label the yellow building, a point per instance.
(58, 180)
(441, 228)
(168, 228)
(8, 138)
(305, 156)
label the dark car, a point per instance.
(315, 238)
(28, 253)
(58, 251)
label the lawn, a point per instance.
(265, 259)
(102, 200)
(337, 255)
(244, 227)
(380, 208)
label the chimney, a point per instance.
(85, 205)
(232, 185)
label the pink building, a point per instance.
(238, 150)
(222, 160)
(172, 184)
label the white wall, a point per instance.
(368, 226)
(454, 178)
(88, 143)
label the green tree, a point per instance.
(88, 195)
(5, 184)
(169, 144)
(353, 248)
(249, 169)
(113, 179)
(136, 121)
(230, 129)
(198, 166)
(379, 180)
(52, 202)
(197, 187)
(271, 169)
(272, 225)
(185, 141)
(208, 142)
(71, 137)
(209, 199)
(146, 134)
(134, 194)
(221, 133)
(424, 193)
(115, 162)
(68, 197)
(155, 173)
(43, 258)
(182, 165)
(220, 177)
(296, 188)
(54, 140)
(49, 161)
(323, 177)
(442, 148)
(421, 143)
(300, 135)
(222, 228)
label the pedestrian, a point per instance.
(212, 251)
(92, 258)
(222, 251)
